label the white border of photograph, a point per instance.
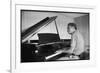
(17, 66)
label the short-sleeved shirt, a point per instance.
(77, 43)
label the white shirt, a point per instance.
(77, 43)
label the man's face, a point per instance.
(70, 29)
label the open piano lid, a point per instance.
(36, 28)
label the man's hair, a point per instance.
(72, 25)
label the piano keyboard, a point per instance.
(57, 53)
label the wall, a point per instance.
(83, 26)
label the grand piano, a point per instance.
(45, 48)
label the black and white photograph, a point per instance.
(52, 36)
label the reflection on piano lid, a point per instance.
(36, 28)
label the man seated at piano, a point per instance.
(77, 43)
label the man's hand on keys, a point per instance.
(59, 51)
(64, 51)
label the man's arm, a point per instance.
(73, 45)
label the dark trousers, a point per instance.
(83, 56)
